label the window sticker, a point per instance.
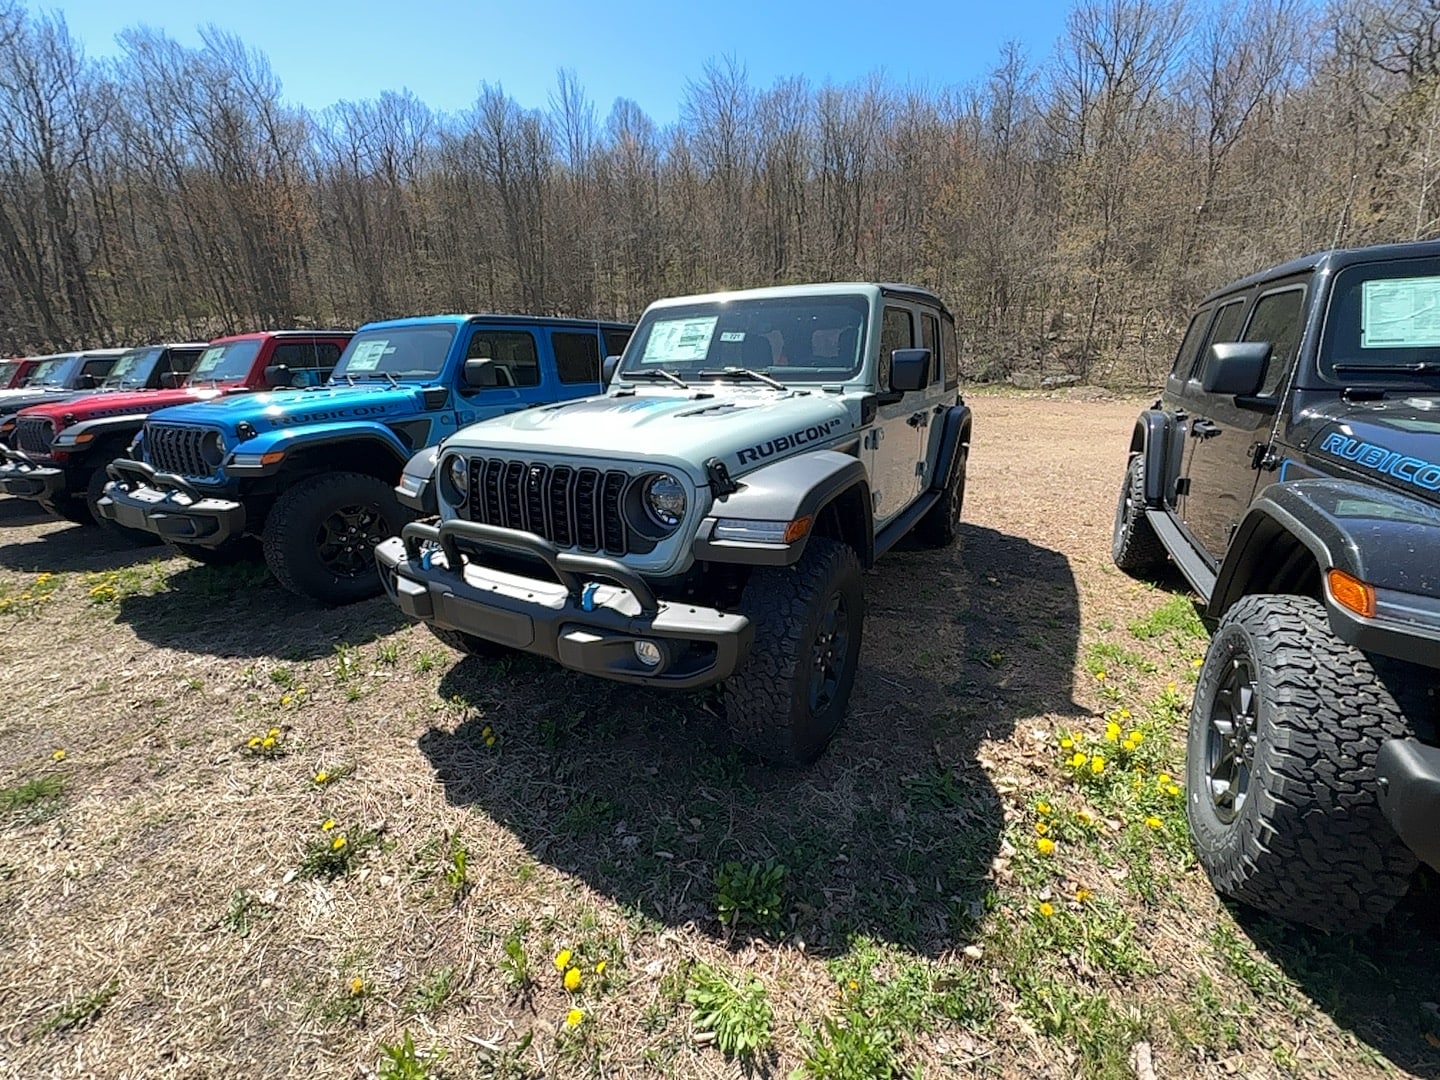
(1400, 313)
(367, 355)
(679, 341)
(209, 359)
(732, 335)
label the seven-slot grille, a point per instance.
(570, 507)
(177, 449)
(34, 434)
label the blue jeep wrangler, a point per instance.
(311, 473)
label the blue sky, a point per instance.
(325, 51)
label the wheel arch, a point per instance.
(1155, 437)
(360, 454)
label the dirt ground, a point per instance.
(174, 902)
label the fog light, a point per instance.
(648, 653)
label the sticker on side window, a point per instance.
(367, 355)
(1400, 313)
(679, 341)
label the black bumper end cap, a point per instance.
(1407, 772)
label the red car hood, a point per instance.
(129, 403)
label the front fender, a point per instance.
(1162, 441)
(954, 443)
(247, 458)
(88, 432)
(416, 489)
(774, 497)
(1381, 537)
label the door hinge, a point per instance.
(1182, 486)
(1263, 457)
(921, 467)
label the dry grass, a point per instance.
(171, 904)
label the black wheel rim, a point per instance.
(830, 653)
(1230, 739)
(347, 539)
(1124, 507)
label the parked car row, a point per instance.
(692, 501)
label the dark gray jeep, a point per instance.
(1291, 469)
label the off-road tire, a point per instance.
(94, 488)
(302, 527)
(1308, 841)
(940, 527)
(1134, 546)
(231, 553)
(469, 644)
(768, 701)
(70, 508)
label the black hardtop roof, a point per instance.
(323, 331)
(549, 320)
(1332, 259)
(912, 292)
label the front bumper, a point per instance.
(138, 497)
(588, 618)
(1408, 774)
(22, 477)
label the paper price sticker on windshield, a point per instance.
(1400, 313)
(367, 355)
(679, 341)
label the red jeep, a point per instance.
(14, 369)
(60, 450)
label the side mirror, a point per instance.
(480, 372)
(909, 370)
(169, 380)
(278, 376)
(608, 369)
(88, 382)
(1235, 368)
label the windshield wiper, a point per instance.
(1424, 367)
(656, 373)
(749, 373)
(387, 375)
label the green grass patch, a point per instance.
(1175, 618)
(734, 1011)
(35, 800)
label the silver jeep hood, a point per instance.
(744, 428)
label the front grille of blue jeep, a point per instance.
(570, 507)
(178, 450)
(34, 434)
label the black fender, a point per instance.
(1162, 441)
(799, 487)
(87, 434)
(416, 490)
(1384, 538)
(954, 443)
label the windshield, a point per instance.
(7, 373)
(224, 363)
(1383, 321)
(797, 339)
(404, 352)
(53, 373)
(132, 371)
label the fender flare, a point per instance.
(101, 427)
(785, 491)
(416, 489)
(1162, 442)
(954, 440)
(314, 436)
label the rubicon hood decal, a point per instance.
(1411, 470)
(1397, 440)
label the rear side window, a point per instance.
(516, 362)
(182, 360)
(98, 368)
(615, 342)
(577, 356)
(310, 362)
(950, 352)
(1277, 319)
(930, 339)
(1226, 327)
(897, 331)
(1190, 347)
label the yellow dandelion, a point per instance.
(1041, 828)
(1170, 687)
(1079, 760)
(1084, 817)
(1047, 909)
(1067, 743)
(58, 755)
(1129, 746)
(572, 980)
(1112, 732)
(274, 733)
(285, 699)
(1172, 790)
(328, 824)
(489, 740)
(1100, 676)
(338, 844)
(485, 731)
(254, 742)
(1082, 894)
(1042, 808)
(357, 986)
(1197, 662)
(1137, 736)
(562, 959)
(600, 968)
(1097, 765)
(1045, 846)
(1154, 822)
(1163, 778)
(574, 1018)
(1124, 714)
(267, 743)
(322, 776)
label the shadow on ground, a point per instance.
(241, 611)
(63, 548)
(891, 834)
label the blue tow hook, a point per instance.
(425, 557)
(587, 596)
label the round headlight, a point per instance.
(212, 449)
(457, 479)
(664, 500)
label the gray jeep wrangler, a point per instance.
(708, 518)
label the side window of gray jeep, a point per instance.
(897, 331)
(1226, 327)
(1277, 319)
(951, 354)
(930, 339)
(1185, 358)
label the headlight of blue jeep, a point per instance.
(455, 479)
(663, 498)
(212, 449)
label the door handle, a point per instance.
(919, 419)
(1203, 429)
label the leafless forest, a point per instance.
(1068, 206)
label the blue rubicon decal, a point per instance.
(1412, 470)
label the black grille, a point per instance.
(34, 434)
(572, 508)
(177, 449)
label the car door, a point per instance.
(515, 379)
(1195, 404)
(937, 395)
(896, 438)
(1225, 436)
